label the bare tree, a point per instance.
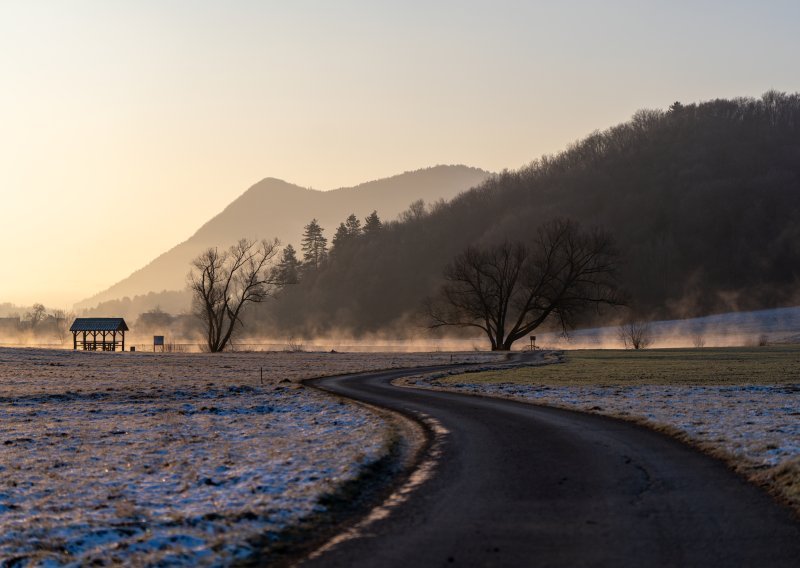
(36, 315)
(509, 290)
(223, 283)
(415, 212)
(63, 320)
(636, 334)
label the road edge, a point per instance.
(768, 485)
(410, 443)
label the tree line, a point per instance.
(37, 322)
(702, 201)
(224, 283)
(314, 247)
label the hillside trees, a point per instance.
(287, 270)
(347, 232)
(339, 238)
(415, 211)
(314, 246)
(702, 199)
(223, 283)
(353, 226)
(509, 289)
(372, 224)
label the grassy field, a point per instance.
(709, 366)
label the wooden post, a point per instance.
(74, 340)
(123, 339)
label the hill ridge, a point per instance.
(703, 199)
(254, 214)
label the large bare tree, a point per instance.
(510, 289)
(223, 283)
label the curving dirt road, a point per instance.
(520, 485)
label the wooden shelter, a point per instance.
(102, 334)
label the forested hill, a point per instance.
(703, 199)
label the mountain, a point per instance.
(703, 201)
(273, 208)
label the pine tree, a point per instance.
(314, 245)
(353, 226)
(346, 232)
(372, 224)
(287, 270)
(339, 238)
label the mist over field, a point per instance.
(700, 200)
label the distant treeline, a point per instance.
(703, 200)
(34, 324)
(173, 302)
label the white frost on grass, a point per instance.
(171, 458)
(177, 477)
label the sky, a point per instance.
(125, 125)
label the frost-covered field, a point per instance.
(141, 458)
(741, 405)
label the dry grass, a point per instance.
(772, 365)
(26, 372)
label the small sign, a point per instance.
(158, 340)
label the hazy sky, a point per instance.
(124, 125)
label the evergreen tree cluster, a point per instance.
(346, 232)
(314, 246)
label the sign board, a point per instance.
(158, 340)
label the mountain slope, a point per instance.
(703, 199)
(274, 208)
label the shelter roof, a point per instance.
(99, 324)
